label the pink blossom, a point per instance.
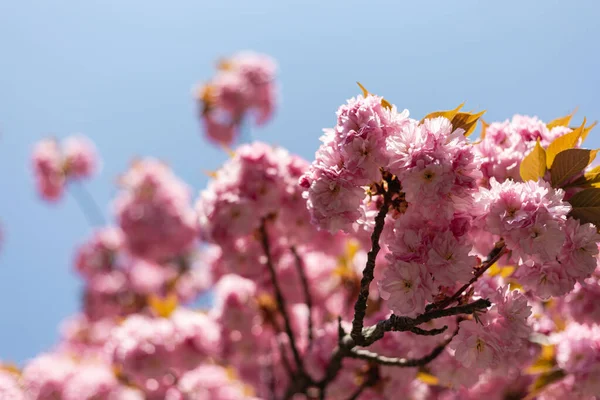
(99, 253)
(44, 377)
(580, 251)
(9, 387)
(450, 261)
(80, 158)
(154, 212)
(407, 287)
(545, 280)
(47, 166)
(90, 382)
(474, 346)
(209, 382)
(333, 201)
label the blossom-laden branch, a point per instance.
(281, 303)
(360, 307)
(347, 345)
(300, 267)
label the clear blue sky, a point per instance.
(121, 72)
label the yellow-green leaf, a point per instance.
(587, 130)
(466, 121)
(484, 126)
(533, 165)
(163, 306)
(562, 121)
(586, 206)
(504, 271)
(386, 104)
(564, 142)
(364, 90)
(589, 179)
(427, 378)
(544, 380)
(450, 114)
(545, 361)
(568, 163)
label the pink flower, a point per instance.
(9, 387)
(80, 158)
(474, 346)
(407, 287)
(99, 253)
(333, 201)
(45, 376)
(154, 212)
(210, 382)
(90, 382)
(449, 261)
(47, 166)
(545, 280)
(580, 251)
(142, 348)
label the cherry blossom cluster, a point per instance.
(405, 259)
(56, 163)
(244, 85)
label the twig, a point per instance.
(403, 324)
(281, 304)
(88, 206)
(360, 307)
(364, 354)
(307, 295)
(431, 332)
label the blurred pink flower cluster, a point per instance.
(243, 87)
(55, 164)
(409, 218)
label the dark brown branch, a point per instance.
(360, 307)
(307, 294)
(498, 251)
(431, 332)
(403, 324)
(399, 362)
(281, 304)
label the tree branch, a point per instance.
(403, 324)
(360, 307)
(281, 304)
(307, 294)
(364, 354)
(431, 332)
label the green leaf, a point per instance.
(364, 90)
(533, 165)
(562, 121)
(569, 163)
(586, 206)
(564, 142)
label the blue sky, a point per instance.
(122, 73)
